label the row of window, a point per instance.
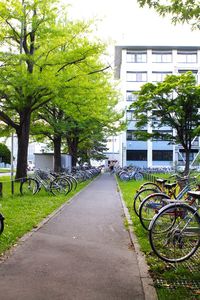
(130, 135)
(156, 76)
(193, 153)
(161, 56)
(158, 155)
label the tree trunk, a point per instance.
(74, 160)
(23, 141)
(57, 153)
(73, 150)
(187, 162)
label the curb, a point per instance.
(147, 281)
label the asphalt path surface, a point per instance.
(82, 252)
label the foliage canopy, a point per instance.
(173, 103)
(181, 11)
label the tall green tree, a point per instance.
(81, 109)
(39, 54)
(181, 11)
(175, 102)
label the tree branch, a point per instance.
(6, 119)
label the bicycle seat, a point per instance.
(160, 180)
(195, 194)
(169, 186)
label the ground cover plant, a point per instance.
(23, 213)
(172, 281)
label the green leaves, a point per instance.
(49, 61)
(175, 102)
(181, 11)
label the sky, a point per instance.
(125, 23)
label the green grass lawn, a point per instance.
(2, 170)
(172, 281)
(23, 213)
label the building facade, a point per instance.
(135, 66)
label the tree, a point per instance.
(85, 140)
(83, 110)
(175, 102)
(50, 123)
(5, 154)
(181, 11)
(40, 54)
(92, 149)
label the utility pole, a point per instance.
(11, 162)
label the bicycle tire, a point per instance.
(1, 223)
(66, 183)
(59, 186)
(69, 183)
(138, 176)
(124, 176)
(29, 186)
(182, 240)
(140, 196)
(149, 206)
(149, 185)
(73, 180)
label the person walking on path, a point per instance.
(82, 252)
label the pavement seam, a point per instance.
(147, 282)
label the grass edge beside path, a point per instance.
(172, 282)
(26, 214)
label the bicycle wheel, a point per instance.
(73, 180)
(140, 196)
(29, 186)
(138, 176)
(149, 207)
(124, 176)
(59, 186)
(182, 239)
(150, 185)
(1, 223)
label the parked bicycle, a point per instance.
(159, 186)
(174, 233)
(152, 203)
(128, 173)
(42, 179)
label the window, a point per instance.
(137, 155)
(162, 138)
(159, 76)
(136, 76)
(193, 71)
(193, 153)
(161, 56)
(187, 56)
(163, 155)
(195, 141)
(130, 96)
(136, 57)
(130, 135)
(129, 115)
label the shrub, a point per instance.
(5, 153)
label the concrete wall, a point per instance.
(45, 161)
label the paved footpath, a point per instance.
(83, 252)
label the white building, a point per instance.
(136, 65)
